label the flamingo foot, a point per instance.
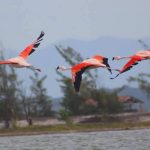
(115, 76)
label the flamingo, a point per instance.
(78, 69)
(20, 60)
(134, 59)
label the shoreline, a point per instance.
(34, 130)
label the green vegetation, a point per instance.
(32, 130)
(143, 82)
(15, 103)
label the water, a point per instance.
(108, 140)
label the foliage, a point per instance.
(65, 115)
(15, 103)
(143, 82)
(9, 91)
(41, 102)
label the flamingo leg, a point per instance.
(33, 68)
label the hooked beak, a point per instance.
(113, 58)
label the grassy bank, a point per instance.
(35, 130)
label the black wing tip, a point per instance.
(105, 61)
(42, 32)
(113, 58)
(41, 35)
(77, 85)
(36, 45)
(57, 67)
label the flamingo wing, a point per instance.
(31, 48)
(133, 61)
(77, 72)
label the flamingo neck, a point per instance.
(62, 68)
(66, 68)
(123, 57)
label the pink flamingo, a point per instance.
(78, 69)
(20, 61)
(134, 59)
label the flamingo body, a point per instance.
(19, 62)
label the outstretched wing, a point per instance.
(133, 61)
(31, 48)
(77, 72)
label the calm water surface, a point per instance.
(108, 140)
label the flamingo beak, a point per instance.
(38, 70)
(113, 58)
(57, 68)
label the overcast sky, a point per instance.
(21, 20)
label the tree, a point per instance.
(143, 82)
(26, 105)
(9, 87)
(41, 102)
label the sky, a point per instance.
(22, 20)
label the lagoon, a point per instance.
(103, 140)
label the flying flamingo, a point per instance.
(78, 69)
(20, 60)
(134, 59)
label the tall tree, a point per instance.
(9, 91)
(41, 102)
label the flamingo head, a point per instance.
(60, 68)
(116, 58)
